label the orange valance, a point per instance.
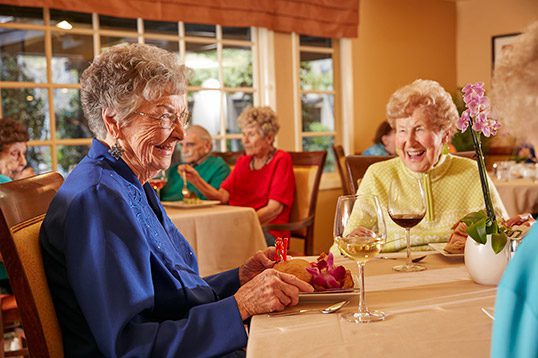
(325, 18)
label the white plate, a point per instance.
(333, 295)
(329, 296)
(183, 205)
(440, 248)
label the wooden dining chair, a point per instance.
(466, 154)
(23, 204)
(307, 168)
(340, 156)
(356, 166)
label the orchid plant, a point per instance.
(476, 116)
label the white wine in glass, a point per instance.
(360, 232)
(407, 207)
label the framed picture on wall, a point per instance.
(500, 45)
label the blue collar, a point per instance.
(99, 150)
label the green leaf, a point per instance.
(498, 241)
(477, 230)
(492, 227)
(471, 218)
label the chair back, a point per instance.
(23, 205)
(340, 156)
(466, 154)
(356, 166)
(229, 157)
(307, 168)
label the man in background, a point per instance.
(196, 150)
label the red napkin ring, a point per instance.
(281, 249)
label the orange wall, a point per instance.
(399, 41)
(478, 21)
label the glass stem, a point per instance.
(362, 294)
(408, 242)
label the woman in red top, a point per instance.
(263, 178)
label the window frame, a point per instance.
(342, 91)
(261, 95)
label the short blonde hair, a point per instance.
(263, 117)
(428, 96)
(124, 76)
(514, 90)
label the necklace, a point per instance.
(267, 160)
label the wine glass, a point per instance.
(158, 181)
(407, 207)
(359, 231)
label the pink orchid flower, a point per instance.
(326, 275)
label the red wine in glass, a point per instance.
(407, 221)
(407, 208)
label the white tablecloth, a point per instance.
(434, 313)
(518, 195)
(222, 237)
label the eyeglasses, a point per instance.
(168, 120)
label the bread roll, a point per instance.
(296, 267)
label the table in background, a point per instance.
(433, 313)
(518, 195)
(223, 237)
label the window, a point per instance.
(315, 95)
(43, 52)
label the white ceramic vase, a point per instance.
(484, 266)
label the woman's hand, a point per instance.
(255, 265)
(269, 291)
(456, 242)
(460, 229)
(522, 219)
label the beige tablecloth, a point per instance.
(434, 313)
(518, 195)
(222, 237)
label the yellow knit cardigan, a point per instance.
(452, 190)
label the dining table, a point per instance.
(439, 312)
(223, 237)
(519, 195)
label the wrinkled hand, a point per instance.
(456, 242)
(269, 291)
(522, 219)
(460, 230)
(362, 231)
(256, 264)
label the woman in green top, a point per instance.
(195, 151)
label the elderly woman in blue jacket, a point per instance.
(123, 279)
